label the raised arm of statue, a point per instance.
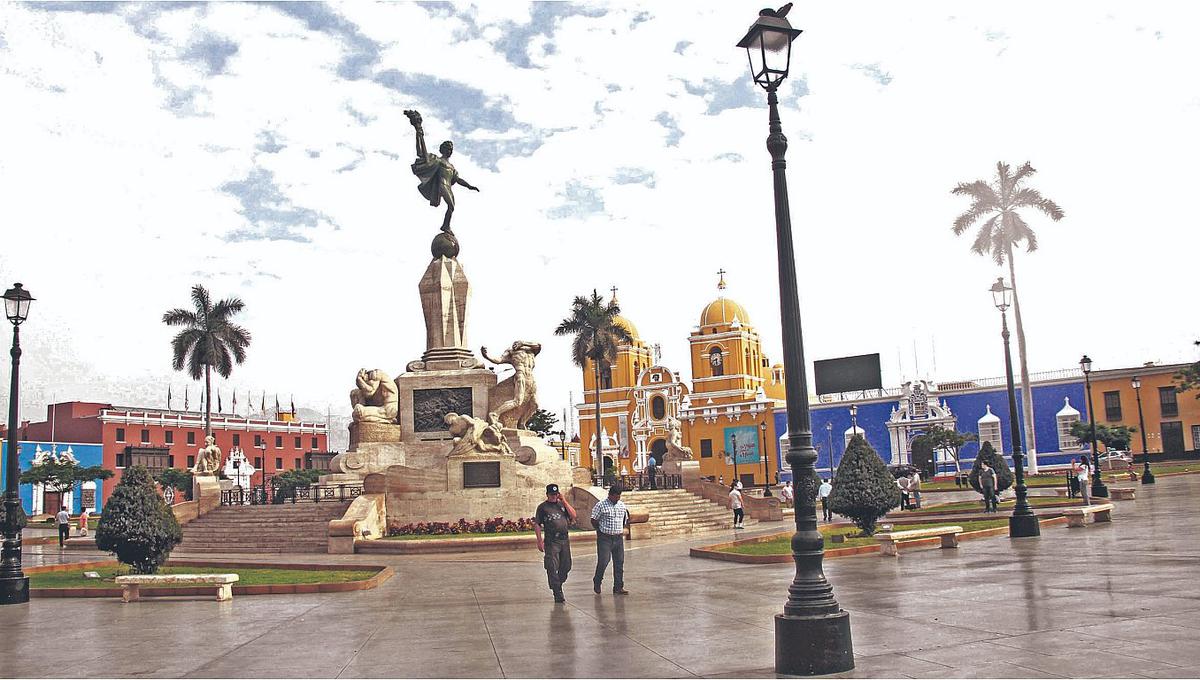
(414, 117)
(502, 360)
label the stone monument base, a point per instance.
(373, 432)
(368, 457)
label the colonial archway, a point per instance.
(658, 451)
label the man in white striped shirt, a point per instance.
(609, 517)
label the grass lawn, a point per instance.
(494, 534)
(247, 577)
(783, 544)
(1059, 478)
(1034, 501)
(1163, 469)
(1030, 481)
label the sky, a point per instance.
(261, 150)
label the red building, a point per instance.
(170, 438)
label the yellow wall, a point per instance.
(1152, 379)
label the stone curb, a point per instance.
(383, 574)
(710, 551)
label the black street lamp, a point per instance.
(14, 584)
(1023, 523)
(1147, 475)
(854, 419)
(1099, 490)
(812, 635)
(762, 427)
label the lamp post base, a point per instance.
(14, 590)
(813, 645)
(1147, 476)
(1099, 490)
(1023, 526)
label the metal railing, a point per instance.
(272, 492)
(640, 482)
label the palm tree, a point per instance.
(1002, 230)
(597, 337)
(209, 340)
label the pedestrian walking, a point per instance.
(823, 492)
(84, 518)
(651, 469)
(987, 481)
(551, 525)
(788, 494)
(902, 482)
(610, 517)
(914, 489)
(64, 525)
(735, 502)
(1083, 474)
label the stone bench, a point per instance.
(131, 585)
(889, 542)
(639, 525)
(1122, 494)
(1077, 517)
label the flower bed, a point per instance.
(496, 525)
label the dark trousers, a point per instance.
(557, 562)
(825, 511)
(610, 547)
(989, 499)
(653, 481)
(739, 515)
(64, 532)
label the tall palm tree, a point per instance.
(209, 340)
(999, 202)
(597, 337)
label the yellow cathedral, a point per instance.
(726, 417)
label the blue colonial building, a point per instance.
(37, 500)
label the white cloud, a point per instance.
(114, 197)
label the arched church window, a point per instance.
(606, 377)
(717, 361)
(658, 408)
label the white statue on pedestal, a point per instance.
(208, 459)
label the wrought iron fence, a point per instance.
(641, 481)
(274, 492)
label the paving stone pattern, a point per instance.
(1107, 600)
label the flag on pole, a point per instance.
(235, 402)
(219, 407)
(293, 406)
(262, 406)
(276, 404)
(185, 397)
(168, 397)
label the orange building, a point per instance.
(726, 416)
(1172, 418)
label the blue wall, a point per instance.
(86, 454)
(967, 409)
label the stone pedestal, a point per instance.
(444, 293)
(368, 457)
(373, 432)
(427, 396)
(206, 492)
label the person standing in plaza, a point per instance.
(1084, 475)
(914, 489)
(735, 502)
(64, 525)
(987, 482)
(651, 469)
(787, 494)
(610, 517)
(84, 518)
(823, 493)
(902, 482)
(551, 525)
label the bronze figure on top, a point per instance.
(437, 175)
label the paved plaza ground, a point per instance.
(1107, 600)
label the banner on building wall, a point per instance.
(623, 434)
(742, 442)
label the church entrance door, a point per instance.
(658, 451)
(51, 502)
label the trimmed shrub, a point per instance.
(137, 525)
(495, 525)
(863, 490)
(286, 483)
(987, 454)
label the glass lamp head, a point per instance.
(1001, 294)
(768, 46)
(1085, 364)
(1137, 383)
(16, 304)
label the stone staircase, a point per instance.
(676, 511)
(285, 528)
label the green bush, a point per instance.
(137, 525)
(863, 489)
(285, 483)
(987, 454)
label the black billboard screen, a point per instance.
(848, 374)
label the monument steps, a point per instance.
(285, 528)
(678, 511)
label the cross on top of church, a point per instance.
(614, 293)
(721, 283)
